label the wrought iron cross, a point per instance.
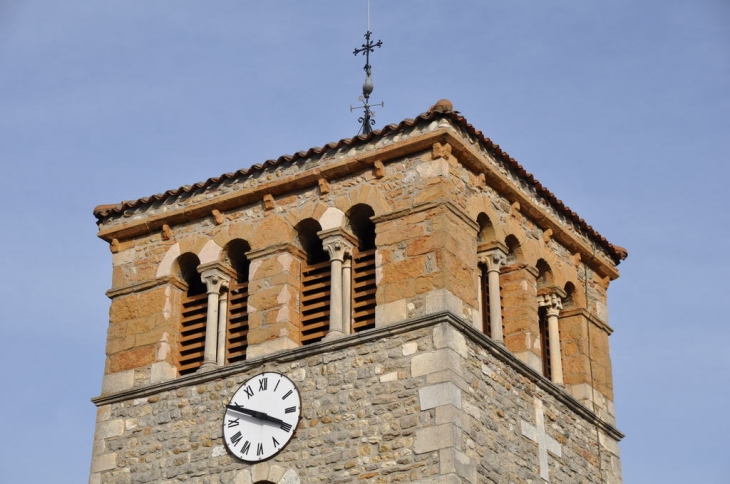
(366, 120)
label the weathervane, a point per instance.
(366, 120)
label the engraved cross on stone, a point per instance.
(544, 442)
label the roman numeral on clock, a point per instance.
(249, 391)
(262, 384)
(260, 449)
(233, 423)
(285, 427)
(290, 409)
(286, 395)
(276, 442)
(246, 446)
(236, 438)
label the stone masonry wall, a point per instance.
(428, 401)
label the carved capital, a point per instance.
(552, 301)
(493, 259)
(215, 276)
(338, 247)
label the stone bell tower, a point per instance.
(441, 314)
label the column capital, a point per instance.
(337, 243)
(551, 298)
(216, 276)
(493, 258)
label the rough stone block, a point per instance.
(104, 462)
(446, 336)
(453, 461)
(270, 347)
(440, 394)
(162, 371)
(435, 361)
(110, 428)
(391, 313)
(117, 382)
(434, 438)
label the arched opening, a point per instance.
(514, 251)
(569, 301)
(363, 267)
(486, 229)
(315, 280)
(237, 319)
(544, 279)
(191, 344)
(486, 234)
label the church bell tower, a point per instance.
(408, 305)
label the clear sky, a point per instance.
(621, 108)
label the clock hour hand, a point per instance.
(255, 413)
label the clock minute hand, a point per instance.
(255, 413)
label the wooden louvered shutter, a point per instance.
(315, 302)
(484, 287)
(192, 333)
(544, 342)
(363, 290)
(237, 329)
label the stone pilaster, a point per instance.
(273, 301)
(444, 372)
(520, 318)
(426, 263)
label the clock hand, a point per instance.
(255, 413)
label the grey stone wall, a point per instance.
(423, 401)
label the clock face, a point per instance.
(261, 417)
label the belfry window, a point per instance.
(363, 269)
(315, 280)
(193, 318)
(236, 331)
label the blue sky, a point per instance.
(620, 108)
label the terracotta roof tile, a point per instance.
(617, 253)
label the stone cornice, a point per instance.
(276, 249)
(246, 195)
(146, 285)
(465, 151)
(477, 160)
(297, 354)
(582, 312)
(423, 207)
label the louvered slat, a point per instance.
(315, 302)
(363, 290)
(237, 329)
(192, 332)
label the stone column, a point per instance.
(494, 259)
(215, 280)
(338, 246)
(222, 328)
(551, 300)
(347, 294)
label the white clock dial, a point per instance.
(261, 417)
